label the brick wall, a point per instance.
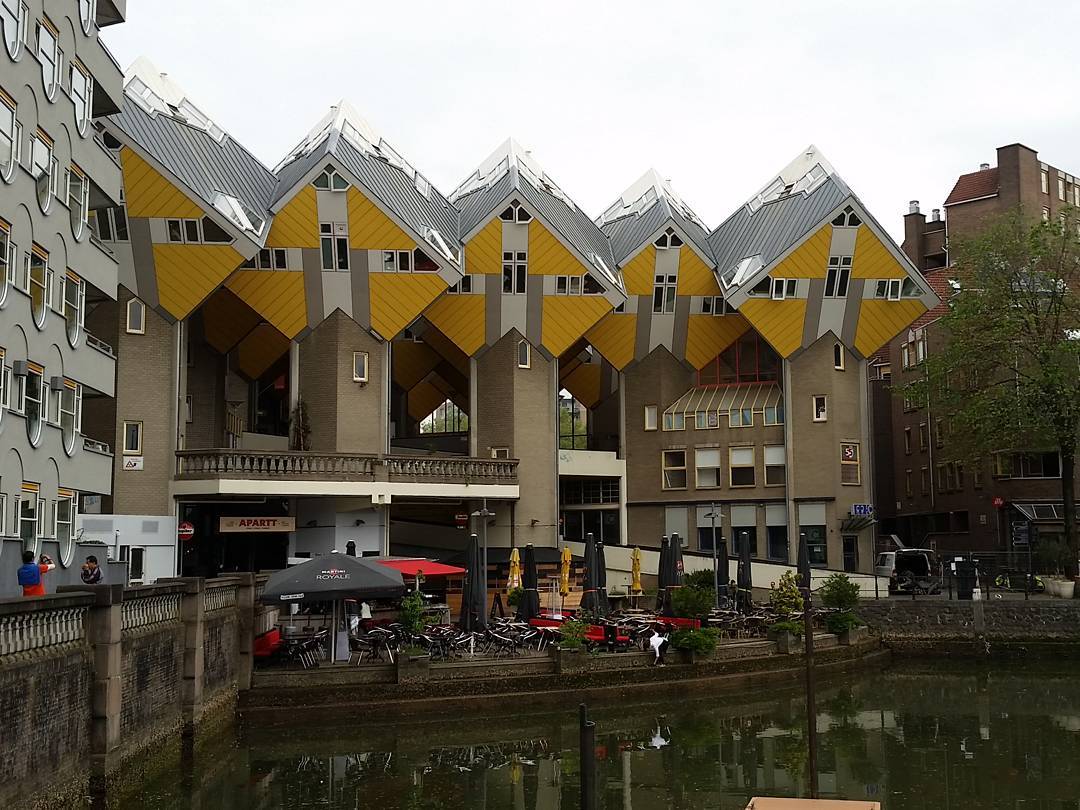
(45, 706)
(206, 387)
(219, 652)
(900, 620)
(151, 669)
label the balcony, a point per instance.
(292, 472)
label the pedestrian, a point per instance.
(91, 571)
(31, 574)
(659, 644)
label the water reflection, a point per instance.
(909, 739)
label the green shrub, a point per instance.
(513, 598)
(699, 642)
(841, 622)
(703, 580)
(573, 634)
(839, 592)
(412, 613)
(788, 626)
(692, 603)
(784, 596)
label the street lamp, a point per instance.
(483, 514)
(712, 516)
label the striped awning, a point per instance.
(725, 398)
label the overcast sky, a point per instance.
(901, 97)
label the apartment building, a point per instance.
(57, 82)
(342, 354)
(937, 500)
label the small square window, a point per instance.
(360, 367)
(500, 452)
(191, 231)
(821, 410)
(176, 230)
(133, 432)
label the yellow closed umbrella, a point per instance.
(564, 572)
(514, 580)
(635, 571)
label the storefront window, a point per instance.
(815, 542)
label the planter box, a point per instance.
(412, 668)
(853, 636)
(570, 660)
(1061, 588)
(786, 643)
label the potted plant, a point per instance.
(841, 595)
(786, 601)
(694, 644)
(413, 662)
(569, 652)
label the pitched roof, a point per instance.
(346, 138)
(162, 121)
(938, 280)
(644, 207)
(510, 168)
(777, 217)
(983, 183)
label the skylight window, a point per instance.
(668, 239)
(436, 240)
(847, 219)
(742, 271)
(330, 180)
(515, 213)
(238, 212)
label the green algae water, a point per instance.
(938, 736)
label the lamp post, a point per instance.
(484, 514)
(715, 571)
(808, 637)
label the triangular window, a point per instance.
(847, 219)
(668, 239)
(330, 180)
(515, 213)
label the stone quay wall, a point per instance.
(99, 679)
(983, 627)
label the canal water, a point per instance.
(938, 736)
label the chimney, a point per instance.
(935, 215)
(984, 167)
(913, 207)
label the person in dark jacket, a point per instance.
(91, 571)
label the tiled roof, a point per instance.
(982, 183)
(939, 283)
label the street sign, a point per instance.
(133, 462)
(998, 502)
(862, 510)
(185, 531)
(461, 519)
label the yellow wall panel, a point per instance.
(548, 256)
(423, 399)
(638, 273)
(695, 277)
(779, 322)
(397, 298)
(297, 224)
(614, 338)
(260, 350)
(881, 321)
(584, 384)
(568, 317)
(371, 229)
(483, 253)
(277, 296)
(872, 259)
(186, 274)
(226, 320)
(461, 319)
(412, 362)
(708, 335)
(809, 260)
(148, 194)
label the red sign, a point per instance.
(998, 502)
(461, 519)
(185, 531)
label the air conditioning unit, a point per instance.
(56, 383)
(19, 368)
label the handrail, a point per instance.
(451, 467)
(95, 446)
(99, 344)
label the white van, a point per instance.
(906, 565)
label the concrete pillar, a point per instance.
(191, 614)
(245, 630)
(104, 623)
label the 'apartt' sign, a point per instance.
(257, 524)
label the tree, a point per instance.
(1008, 374)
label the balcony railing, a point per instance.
(193, 465)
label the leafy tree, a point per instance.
(1008, 374)
(840, 592)
(692, 603)
(702, 579)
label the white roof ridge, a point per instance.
(636, 199)
(802, 175)
(157, 93)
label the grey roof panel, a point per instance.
(570, 221)
(197, 159)
(629, 232)
(290, 174)
(478, 205)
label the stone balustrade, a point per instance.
(219, 596)
(36, 626)
(149, 606)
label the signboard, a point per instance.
(256, 524)
(185, 531)
(133, 462)
(1021, 533)
(862, 510)
(461, 519)
(998, 502)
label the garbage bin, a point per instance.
(611, 636)
(965, 574)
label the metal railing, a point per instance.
(99, 344)
(95, 446)
(24, 632)
(146, 611)
(228, 463)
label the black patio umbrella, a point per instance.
(601, 575)
(745, 577)
(804, 562)
(474, 589)
(661, 573)
(722, 565)
(590, 597)
(674, 576)
(333, 577)
(529, 606)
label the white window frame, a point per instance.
(462, 287)
(718, 468)
(87, 15)
(1044, 181)
(34, 424)
(392, 261)
(651, 417)
(819, 414)
(362, 358)
(666, 468)
(72, 501)
(19, 21)
(500, 452)
(839, 357)
(78, 209)
(69, 414)
(140, 307)
(741, 417)
(331, 176)
(784, 288)
(888, 288)
(838, 277)
(42, 284)
(73, 309)
(665, 292)
(335, 237)
(1061, 187)
(11, 140)
(138, 449)
(517, 213)
(776, 417)
(49, 57)
(82, 94)
(37, 168)
(732, 466)
(706, 420)
(29, 495)
(675, 421)
(773, 465)
(715, 305)
(515, 272)
(523, 361)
